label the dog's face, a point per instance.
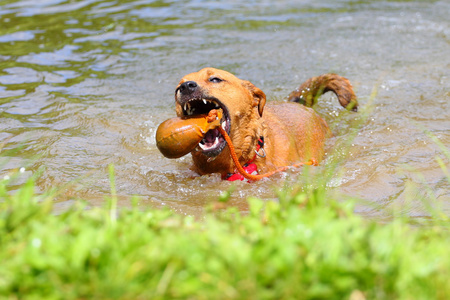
(242, 103)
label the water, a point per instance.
(84, 84)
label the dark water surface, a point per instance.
(84, 84)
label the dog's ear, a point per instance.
(259, 98)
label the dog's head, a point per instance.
(242, 104)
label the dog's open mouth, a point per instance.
(213, 142)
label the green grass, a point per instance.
(305, 246)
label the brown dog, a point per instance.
(287, 132)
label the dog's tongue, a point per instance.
(210, 137)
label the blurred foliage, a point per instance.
(303, 246)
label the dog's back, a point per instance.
(296, 132)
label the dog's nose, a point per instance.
(188, 87)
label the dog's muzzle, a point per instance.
(193, 102)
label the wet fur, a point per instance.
(292, 132)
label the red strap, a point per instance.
(249, 168)
(259, 146)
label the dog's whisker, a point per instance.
(210, 159)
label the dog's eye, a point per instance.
(215, 79)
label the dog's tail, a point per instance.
(308, 93)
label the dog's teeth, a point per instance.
(188, 109)
(185, 106)
(224, 124)
(204, 101)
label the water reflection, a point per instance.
(85, 83)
